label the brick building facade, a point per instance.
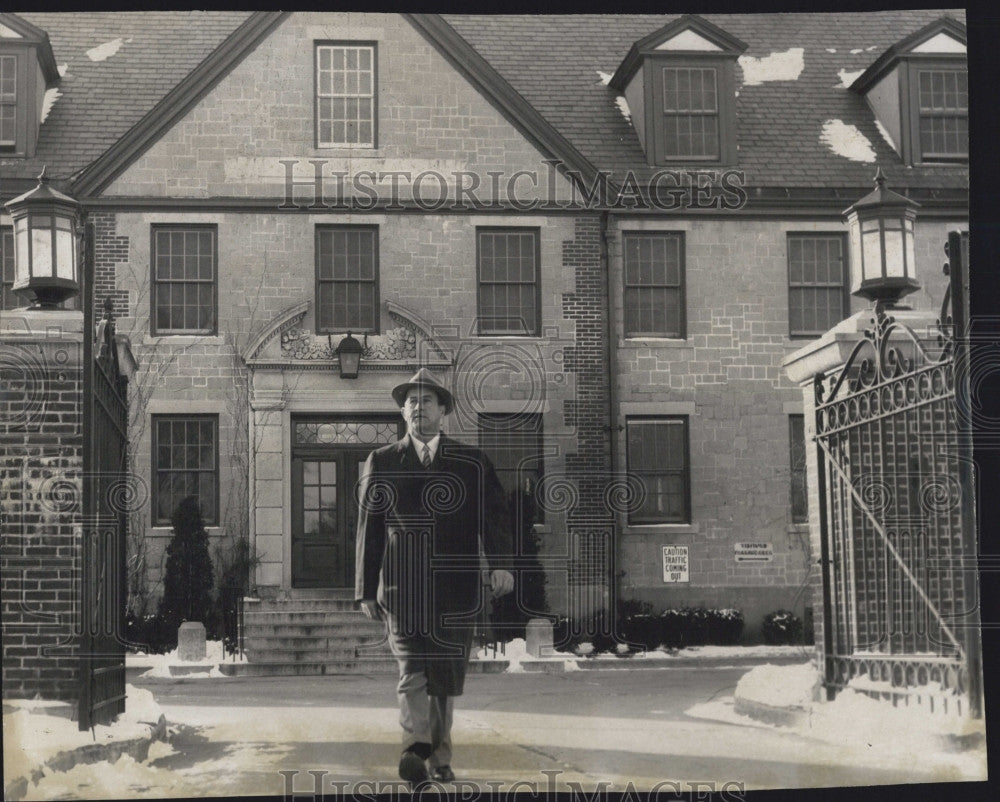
(224, 151)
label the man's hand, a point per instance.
(370, 608)
(501, 582)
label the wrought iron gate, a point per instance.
(899, 604)
(105, 491)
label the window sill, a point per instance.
(662, 529)
(167, 531)
(183, 339)
(668, 342)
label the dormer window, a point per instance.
(8, 103)
(679, 84)
(27, 69)
(919, 92)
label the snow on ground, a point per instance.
(32, 737)
(516, 653)
(854, 720)
(159, 664)
(781, 66)
(780, 686)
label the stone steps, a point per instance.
(320, 634)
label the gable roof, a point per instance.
(548, 73)
(106, 90)
(560, 65)
(888, 59)
(35, 35)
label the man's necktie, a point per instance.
(427, 456)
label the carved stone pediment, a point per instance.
(286, 343)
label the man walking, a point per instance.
(428, 503)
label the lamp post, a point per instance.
(880, 226)
(46, 254)
(348, 353)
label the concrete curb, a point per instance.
(137, 748)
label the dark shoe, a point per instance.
(412, 768)
(443, 774)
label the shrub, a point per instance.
(782, 627)
(187, 582)
(725, 626)
(510, 613)
(148, 633)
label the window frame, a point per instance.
(681, 287)
(376, 282)
(845, 295)
(536, 232)
(176, 227)
(685, 422)
(155, 469)
(7, 259)
(11, 147)
(334, 43)
(725, 88)
(793, 472)
(914, 64)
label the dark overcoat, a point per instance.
(419, 535)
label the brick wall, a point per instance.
(40, 480)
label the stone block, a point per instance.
(538, 634)
(191, 641)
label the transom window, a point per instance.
(943, 97)
(8, 102)
(817, 283)
(690, 113)
(184, 280)
(185, 463)
(345, 95)
(657, 453)
(507, 265)
(347, 279)
(654, 284)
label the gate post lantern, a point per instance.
(46, 253)
(880, 227)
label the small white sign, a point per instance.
(754, 552)
(675, 564)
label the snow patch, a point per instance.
(779, 66)
(779, 686)
(885, 135)
(622, 104)
(857, 50)
(847, 77)
(831, 50)
(605, 77)
(62, 70)
(847, 141)
(33, 738)
(106, 50)
(159, 664)
(48, 101)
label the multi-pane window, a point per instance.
(184, 279)
(345, 95)
(817, 283)
(654, 284)
(9, 299)
(347, 279)
(797, 468)
(943, 97)
(507, 265)
(185, 463)
(690, 113)
(657, 453)
(8, 102)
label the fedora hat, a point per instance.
(424, 378)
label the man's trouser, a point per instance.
(430, 676)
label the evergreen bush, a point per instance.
(187, 582)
